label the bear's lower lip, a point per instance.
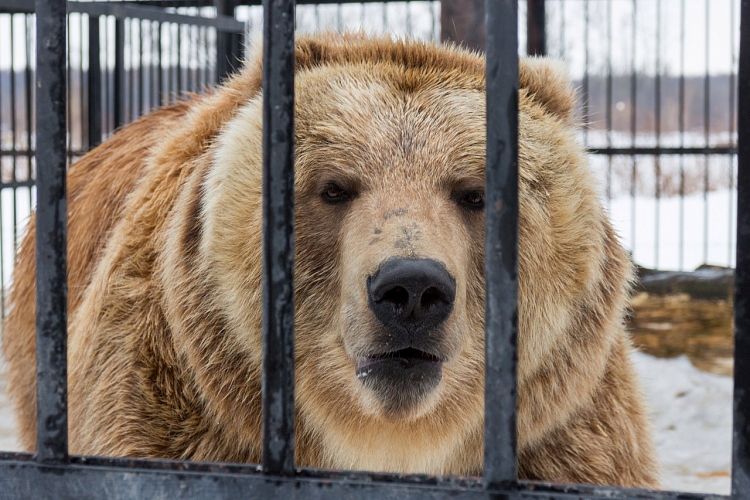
(404, 359)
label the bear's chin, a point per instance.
(400, 380)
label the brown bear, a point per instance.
(165, 271)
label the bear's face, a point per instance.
(389, 258)
(390, 215)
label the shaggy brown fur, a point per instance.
(164, 275)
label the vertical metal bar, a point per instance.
(741, 437)
(14, 128)
(29, 101)
(173, 79)
(51, 281)
(143, 72)
(633, 127)
(706, 133)
(585, 91)
(2, 157)
(180, 79)
(158, 66)
(609, 103)
(108, 114)
(154, 31)
(69, 128)
(682, 136)
(657, 127)
(223, 42)
(193, 59)
(29, 97)
(730, 128)
(83, 105)
(134, 99)
(203, 65)
(501, 258)
(119, 74)
(95, 85)
(536, 37)
(278, 240)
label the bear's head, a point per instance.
(389, 253)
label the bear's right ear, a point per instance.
(548, 83)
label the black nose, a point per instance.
(411, 295)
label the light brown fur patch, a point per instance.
(165, 264)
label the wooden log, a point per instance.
(691, 313)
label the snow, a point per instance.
(692, 419)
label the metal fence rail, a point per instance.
(124, 59)
(658, 85)
(52, 474)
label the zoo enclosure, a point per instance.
(53, 473)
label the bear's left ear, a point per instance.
(548, 83)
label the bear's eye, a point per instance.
(473, 199)
(333, 193)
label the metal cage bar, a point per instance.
(501, 243)
(741, 436)
(278, 237)
(51, 233)
(94, 85)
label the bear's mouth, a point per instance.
(404, 359)
(400, 379)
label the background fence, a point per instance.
(657, 80)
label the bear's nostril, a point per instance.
(431, 296)
(411, 296)
(397, 296)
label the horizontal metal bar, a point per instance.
(723, 150)
(17, 184)
(209, 3)
(120, 478)
(130, 11)
(16, 6)
(18, 153)
(24, 153)
(120, 10)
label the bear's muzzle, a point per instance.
(411, 298)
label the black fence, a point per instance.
(52, 473)
(124, 59)
(658, 81)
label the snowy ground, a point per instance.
(692, 416)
